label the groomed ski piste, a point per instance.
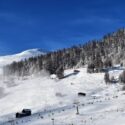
(54, 101)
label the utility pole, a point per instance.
(52, 121)
(77, 109)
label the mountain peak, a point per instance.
(5, 60)
(31, 53)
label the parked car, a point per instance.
(76, 71)
(81, 94)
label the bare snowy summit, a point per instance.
(4, 60)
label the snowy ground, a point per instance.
(57, 99)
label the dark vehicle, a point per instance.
(76, 71)
(81, 94)
(24, 113)
(103, 70)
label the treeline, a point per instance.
(96, 54)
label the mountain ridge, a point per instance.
(8, 59)
(100, 53)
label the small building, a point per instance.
(81, 94)
(24, 113)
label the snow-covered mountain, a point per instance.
(4, 60)
(51, 99)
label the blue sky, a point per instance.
(55, 24)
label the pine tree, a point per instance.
(60, 72)
(106, 77)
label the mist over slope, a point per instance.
(41, 92)
(53, 98)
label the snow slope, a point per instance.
(5, 60)
(57, 99)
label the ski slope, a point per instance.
(57, 99)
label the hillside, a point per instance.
(5, 60)
(31, 83)
(97, 52)
(52, 98)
